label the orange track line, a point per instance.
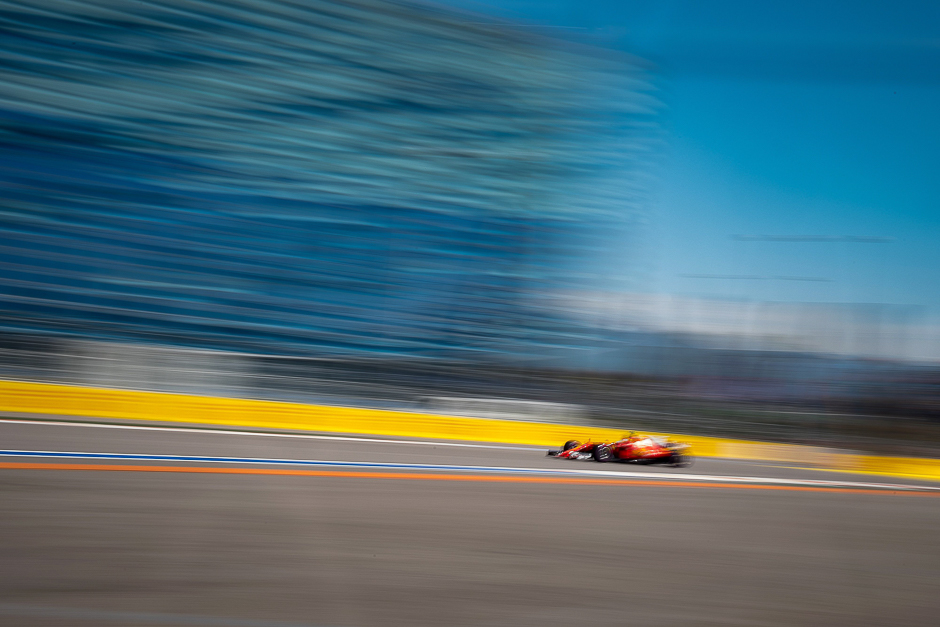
(444, 477)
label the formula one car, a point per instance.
(635, 449)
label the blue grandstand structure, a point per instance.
(306, 178)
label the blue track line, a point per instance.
(264, 460)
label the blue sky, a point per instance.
(782, 118)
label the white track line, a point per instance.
(263, 434)
(619, 474)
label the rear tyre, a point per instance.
(681, 461)
(602, 453)
(570, 444)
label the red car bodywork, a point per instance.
(638, 449)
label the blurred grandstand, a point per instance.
(350, 178)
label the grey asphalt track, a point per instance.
(89, 548)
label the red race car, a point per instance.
(636, 449)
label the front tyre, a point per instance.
(570, 444)
(602, 453)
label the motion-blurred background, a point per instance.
(714, 220)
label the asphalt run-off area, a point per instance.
(108, 524)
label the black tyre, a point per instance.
(681, 461)
(570, 444)
(602, 453)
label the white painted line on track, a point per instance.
(571, 472)
(265, 434)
